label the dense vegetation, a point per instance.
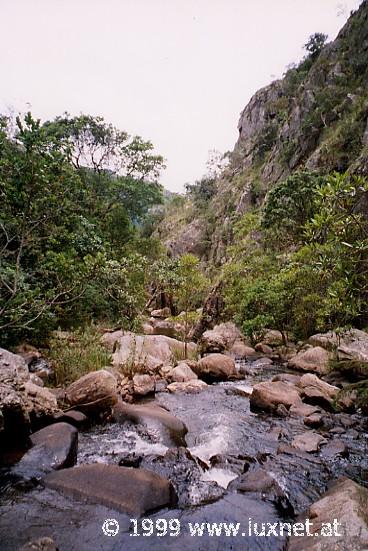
(74, 195)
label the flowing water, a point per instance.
(225, 439)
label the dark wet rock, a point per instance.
(173, 429)
(334, 449)
(41, 544)
(281, 410)
(132, 491)
(185, 473)
(236, 464)
(345, 501)
(216, 367)
(262, 482)
(73, 417)
(53, 447)
(308, 441)
(93, 393)
(131, 460)
(269, 395)
(347, 421)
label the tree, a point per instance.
(315, 44)
(289, 205)
(191, 285)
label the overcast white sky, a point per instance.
(177, 72)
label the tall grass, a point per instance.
(73, 354)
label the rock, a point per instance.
(263, 348)
(241, 390)
(335, 448)
(73, 417)
(36, 380)
(303, 410)
(147, 328)
(173, 428)
(314, 359)
(143, 384)
(273, 338)
(216, 367)
(110, 339)
(16, 423)
(241, 350)
(260, 481)
(54, 447)
(308, 441)
(148, 352)
(287, 378)
(317, 392)
(347, 503)
(40, 402)
(168, 328)
(131, 491)
(161, 313)
(41, 544)
(268, 395)
(261, 363)
(212, 341)
(13, 368)
(182, 374)
(28, 353)
(349, 345)
(189, 387)
(314, 421)
(93, 393)
(225, 337)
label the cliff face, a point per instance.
(315, 118)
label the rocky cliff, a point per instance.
(314, 118)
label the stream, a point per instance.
(224, 440)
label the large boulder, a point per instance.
(54, 447)
(268, 396)
(317, 392)
(13, 369)
(173, 429)
(166, 327)
(22, 403)
(182, 373)
(222, 337)
(216, 367)
(315, 359)
(146, 352)
(131, 491)
(348, 345)
(345, 503)
(93, 393)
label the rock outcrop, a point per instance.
(216, 367)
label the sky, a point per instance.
(176, 72)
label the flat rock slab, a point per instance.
(53, 447)
(131, 491)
